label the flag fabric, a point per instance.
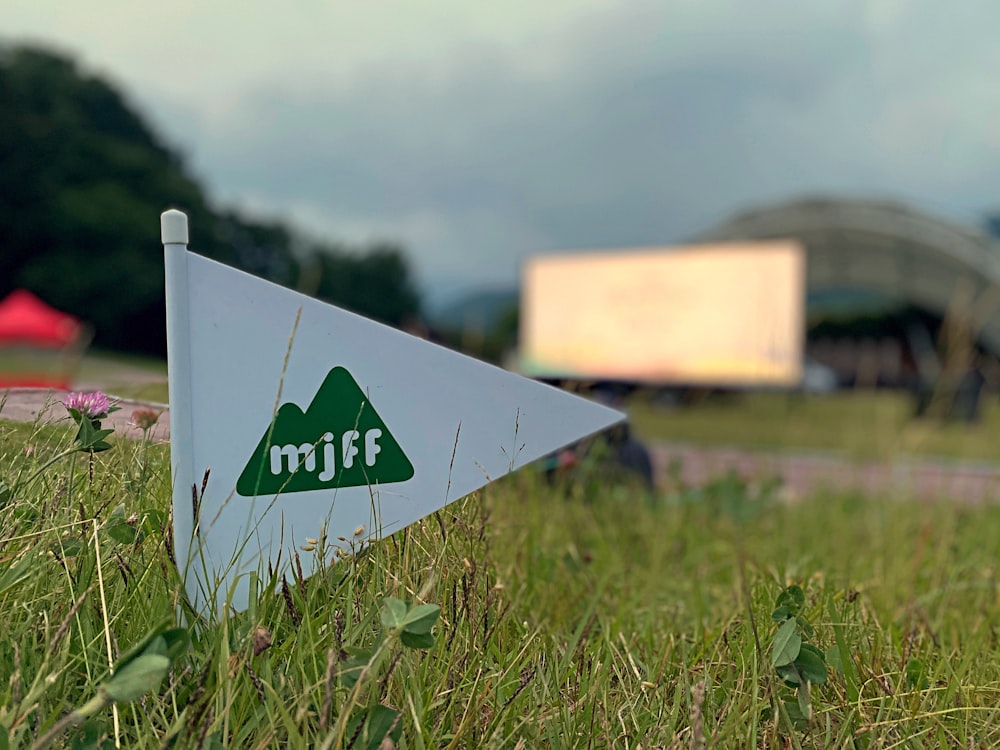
(311, 422)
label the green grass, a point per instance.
(585, 615)
(859, 424)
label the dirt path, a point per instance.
(803, 473)
(30, 404)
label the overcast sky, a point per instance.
(477, 133)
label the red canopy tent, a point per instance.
(26, 319)
(27, 326)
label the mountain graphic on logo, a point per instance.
(338, 441)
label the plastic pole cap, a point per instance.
(174, 227)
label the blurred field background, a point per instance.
(133, 377)
(856, 424)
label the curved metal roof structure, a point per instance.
(888, 248)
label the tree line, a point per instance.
(82, 184)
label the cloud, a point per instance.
(477, 138)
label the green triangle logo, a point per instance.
(339, 441)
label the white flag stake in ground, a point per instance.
(310, 418)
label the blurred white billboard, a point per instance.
(727, 314)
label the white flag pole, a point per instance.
(174, 235)
(382, 407)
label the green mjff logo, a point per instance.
(339, 441)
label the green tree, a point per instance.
(376, 283)
(82, 184)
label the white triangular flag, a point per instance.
(313, 419)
